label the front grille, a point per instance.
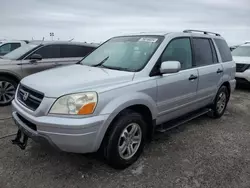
(242, 67)
(26, 122)
(29, 97)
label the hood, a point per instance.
(241, 59)
(76, 78)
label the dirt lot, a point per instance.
(201, 153)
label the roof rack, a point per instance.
(199, 31)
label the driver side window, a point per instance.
(179, 50)
(48, 52)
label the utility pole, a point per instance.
(51, 35)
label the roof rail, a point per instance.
(248, 42)
(199, 31)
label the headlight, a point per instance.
(76, 104)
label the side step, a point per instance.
(181, 120)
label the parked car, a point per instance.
(32, 58)
(241, 56)
(124, 91)
(8, 46)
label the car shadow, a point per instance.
(243, 87)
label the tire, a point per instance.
(7, 85)
(216, 111)
(115, 140)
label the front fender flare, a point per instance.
(114, 107)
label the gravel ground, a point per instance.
(201, 153)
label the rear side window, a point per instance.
(202, 52)
(179, 50)
(224, 50)
(5, 48)
(15, 46)
(50, 51)
(75, 51)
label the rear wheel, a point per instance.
(220, 103)
(125, 141)
(7, 91)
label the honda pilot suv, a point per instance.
(32, 58)
(118, 96)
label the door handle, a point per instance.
(193, 77)
(219, 71)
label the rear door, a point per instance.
(209, 69)
(228, 64)
(177, 92)
(72, 53)
(50, 55)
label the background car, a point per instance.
(32, 58)
(8, 46)
(241, 56)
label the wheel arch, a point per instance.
(142, 107)
(10, 75)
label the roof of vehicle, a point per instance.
(64, 42)
(12, 41)
(197, 33)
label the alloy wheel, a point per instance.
(221, 103)
(129, 141)
(7, 92)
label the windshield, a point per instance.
(17, 53)
(242, 51)
(124, 53)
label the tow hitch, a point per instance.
(20, 140)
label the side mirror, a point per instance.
(35, 57)
(168, 67)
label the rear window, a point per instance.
(15, 46)
(224, 50)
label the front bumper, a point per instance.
(245, 75)
(79, 135)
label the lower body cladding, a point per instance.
(66, 134)
(243, 76)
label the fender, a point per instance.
(114, 107)
(11, 74)
(124, 101)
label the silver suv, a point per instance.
(124, 91)
(32, 58)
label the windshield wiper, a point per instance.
(101, 63)
(117, 68)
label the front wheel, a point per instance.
(220, 102)
(7, 91)
(126, 140)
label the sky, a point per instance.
(98, 20)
